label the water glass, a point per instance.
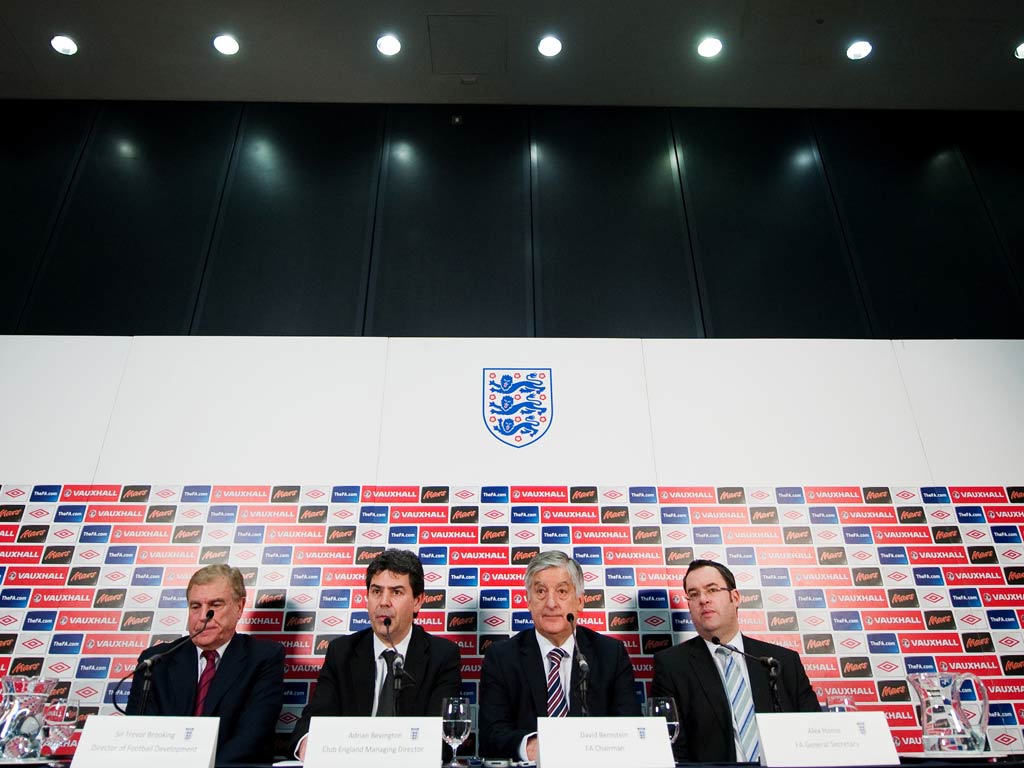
(456, 724)
(664, 706)
(60, 717)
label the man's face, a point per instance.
(227, 610)
(390, 596)
(714, 607)
(552, 595)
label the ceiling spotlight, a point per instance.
(858, 50)
(1019, 53)
(226, 44)
(65, 45)
(709, 47)
(388, 45)
(550, 46)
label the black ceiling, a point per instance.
(928, 54)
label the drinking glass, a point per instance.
(60, 717)
(664, 706)
(456, 724)
(841, 704)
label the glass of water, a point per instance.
(60, 717)
(664, 706)
(456, 724)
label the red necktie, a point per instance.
(205, 680)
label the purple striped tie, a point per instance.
(204, 680)
(556, 696)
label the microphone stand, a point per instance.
(152, 661)
(768, 662)
(584, 666)
(398, 667)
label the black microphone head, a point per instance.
(387, 621)
(716, 640)
(570, 618)
(209, 614)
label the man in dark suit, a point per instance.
(220, 673)
(537, 672)
(697, 672)
(358, 674)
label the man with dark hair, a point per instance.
(358, 675)
(716, 690)
(235, 677)
(537, 673)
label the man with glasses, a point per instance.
(537, 673)
(718, 691)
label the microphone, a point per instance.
(147, 665)
(768, 662)
(398, 665)
(584, 666)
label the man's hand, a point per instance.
(531, 749)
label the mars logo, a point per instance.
(518, 405)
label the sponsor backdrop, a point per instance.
(632, 456)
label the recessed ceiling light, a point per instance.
(858, 50)
(226, 44)
(389, 45)
(709, 47)
(549, 46)
(64, 44)
(1019, 53)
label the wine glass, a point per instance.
(456, 724)
(664, 706)
(60, 717)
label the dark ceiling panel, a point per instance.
(929, 260)
(133, 236)
(765, 235)
(609, 227)
(40, 143)
(451, 254)
(293, 241)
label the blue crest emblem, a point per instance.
(518, 406)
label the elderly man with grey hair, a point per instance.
(556, 669)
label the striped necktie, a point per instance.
(742, 708)
(205, 680)
(556, 696)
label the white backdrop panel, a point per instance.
(235, 410)
(56, 400)
(433, 416)
(968, 398)
(772, 411)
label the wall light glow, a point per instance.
(550, 46)
(858, 50)
(709, 47)
(226, 44)
(389, 45)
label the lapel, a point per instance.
(533, 669)
(585, 647)
(417, 660)
(705, 669)
(758, 676)
(181, 673)
(232, 664)
(363, 671)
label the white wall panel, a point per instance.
(968, 397)
(57, 393)
(775, 411)
(295, 410)
(433, 428)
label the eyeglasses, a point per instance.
(713, 591)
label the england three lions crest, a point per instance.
(518, 405)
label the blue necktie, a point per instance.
(742, 708)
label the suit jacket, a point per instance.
(347, 678)
(689, 673)
(246, 694)
(513, 688)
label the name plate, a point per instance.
(374, 742)
(156, 742)
(604, 742)
(806, 740)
